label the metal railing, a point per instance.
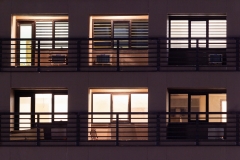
(120, 129)
(152, 54)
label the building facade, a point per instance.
(70, 66)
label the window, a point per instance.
(52, 29)
(33, 102)
(192, 27)
(206, 101)
(206, 33)
(120, 28)
(119, 102)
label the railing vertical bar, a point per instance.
(237, 129)
(78, 54)
(158, 130)
(197, 54)
(1, 61)
(118, 61)
(237, 54)
(117, 129)
(38, 63)
(197, 129)
(38, 131)
(158, 55)
(1, 129)
(78, 129)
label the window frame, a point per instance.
(189, 93)
(111, 106)
(34, 21)
(112, 21)
(32, 93)
(190, 19)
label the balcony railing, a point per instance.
(120, 129)
(152, 54)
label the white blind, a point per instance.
(198, 30)
(44, 30)
(217, 28)
(179, 29)
(61, 31)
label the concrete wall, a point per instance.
(126, 153)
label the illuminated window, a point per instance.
(192, 27)
(105, 103)
(48, 104)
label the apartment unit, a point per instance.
(146, 79)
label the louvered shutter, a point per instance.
(139, 29)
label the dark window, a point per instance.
(189, 101)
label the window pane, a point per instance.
(217, 28)
(121, 30)
(102, 29)
(25, 45)
(101, 103)
(24, 107)
(120, 104)
(179, 29)
(198, 104)
(61, 31)
(198, 30)
(60, 105)
(139, 29)
(179, 103)
(43, 104)
(44, 30)
(139, 103)
(217, 104)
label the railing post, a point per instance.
(117, 129)
(78, 54)
(38, 63)
(38, 130)
(197, 129)
(237, 129)
(1, 129)
(237, 54)
(197, 54)
(118, 61)
(1, 61)
(158, 55)
(78, 129)
(158, 130)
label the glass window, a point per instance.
(118, 102)
(101, 103)
(205, 101)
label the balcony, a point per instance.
(120, 129)
(119, 55)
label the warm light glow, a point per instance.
(224, 109)
(60, 105)
(101, 103)
(43, 104)
(24, 107)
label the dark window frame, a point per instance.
(190, 19)
(31, 93)
(112, 21)
(34, 29)
(190, 92)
